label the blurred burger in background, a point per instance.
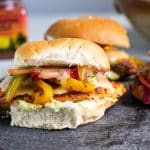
(140, 87)
(107, 33)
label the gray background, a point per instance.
(61, 6)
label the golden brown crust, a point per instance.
(100, 93)
(101, 30)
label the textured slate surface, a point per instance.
(126, 126)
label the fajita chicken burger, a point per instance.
(59, 84)
(106, 32)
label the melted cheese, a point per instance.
(23, 91)
(59, 91)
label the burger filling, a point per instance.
(121, 62)
(141, 86)
(41, 85)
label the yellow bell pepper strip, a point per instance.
(78, 86)
(47, 93)
(13, 86)
(82, 73)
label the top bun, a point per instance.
(97, 29)
(61, 52)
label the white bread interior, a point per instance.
(61, 52)
(59, 115)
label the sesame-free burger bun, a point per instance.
(61, 52)
(101, 30)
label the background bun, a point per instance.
(97, 29)
(61, 52)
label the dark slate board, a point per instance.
(125, 126)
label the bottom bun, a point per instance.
(60, 115)
(66, 115)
